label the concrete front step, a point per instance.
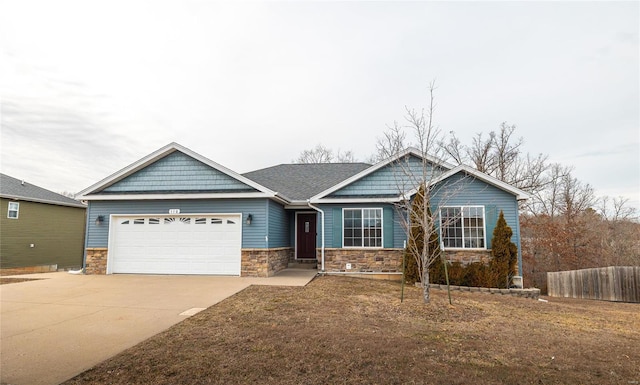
(311, 264)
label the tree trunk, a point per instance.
(425, 284)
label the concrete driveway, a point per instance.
(55, 328)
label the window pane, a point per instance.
(451, 227)
(473, 227)
(372, 223)
(352, 228)
(362, 227)
(13, 209)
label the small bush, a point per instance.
(475, 274)
(497, 273)
(411, 268)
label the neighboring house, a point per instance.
(39, 227)
(177, 212)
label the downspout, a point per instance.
(266, 236)
(519, 245)
(87, 215)
(321, 225)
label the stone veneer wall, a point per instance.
(264, 262)
(96, 262)
(466, 257)
(29, 269)
(255, 262)
(363, 260)
(532, 293)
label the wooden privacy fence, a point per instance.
(614, 283)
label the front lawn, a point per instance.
(342, 330)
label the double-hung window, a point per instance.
(14, 209)
(462, 227)
(362, 228)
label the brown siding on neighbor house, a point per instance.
(56, 232)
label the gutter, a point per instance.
(321, 225)
(45, 201)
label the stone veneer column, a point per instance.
(96, 262)
(264, 262)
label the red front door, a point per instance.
(306, 236)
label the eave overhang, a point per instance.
(45, 201)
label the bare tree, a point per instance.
(546, 196)
(454, 149)
(345, 157)
(480, 153)
(619, 211)
(318, 154)
(322, 154)
(499, 155)
(419, 179)
(505, 152)
(392, 142)
(576, 197)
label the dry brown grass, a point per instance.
(355, 331)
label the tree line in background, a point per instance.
(564, 225)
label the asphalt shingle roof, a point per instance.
(15, 189)
(302, 181)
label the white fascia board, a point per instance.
(520, 194)
(130, 169)
(280, 198)
(135, 197)
(304, 204)
(409, 151)
(164, 151)
(296, 206)
(356, 200)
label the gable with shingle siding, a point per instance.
(178, 172)
(393, 179)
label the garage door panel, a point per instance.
(202, 244)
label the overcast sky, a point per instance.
(89, 87)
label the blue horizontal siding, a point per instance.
(253, 236)
(399, 235)
(177, 172)
(463, 190)
(278, 225)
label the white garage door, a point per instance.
(175, 244)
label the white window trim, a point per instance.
(462, 207)
(381, 228)
(17, 210)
